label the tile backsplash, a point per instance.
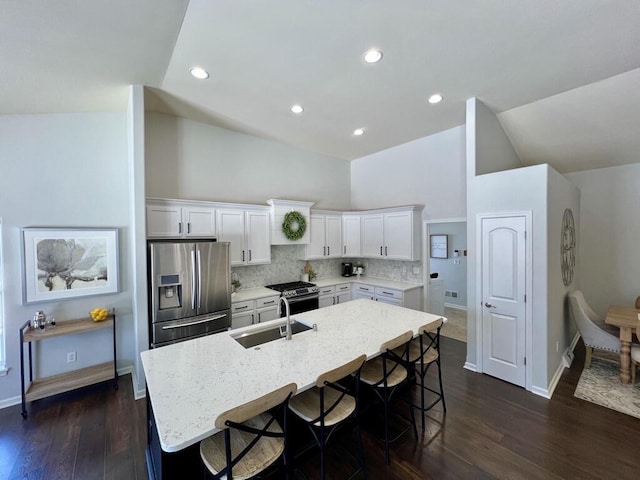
(285, 266)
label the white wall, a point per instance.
(494, 152)
(66, 170)
(192, 160)
(454, 275)
(429, 171)
(562, 194)
(517, 190)
(609, 257)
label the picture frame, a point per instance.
(439, 247)
(66, 263)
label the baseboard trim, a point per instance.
(542, 392)
(470, 366)
(457, 307)
(10, 402)
(137, 393)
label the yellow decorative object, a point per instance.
(99, 314)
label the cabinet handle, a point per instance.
(387, 293)
(385, 251)
(328, 251)
(243, 255)
(344, 288)
(345, 250)
(334, 300)
(267, 303)
(249, 255)
(241, 308)
(179, 227)
(324, 251)
(380, 250)
(188, 227)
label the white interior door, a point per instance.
(503, 264)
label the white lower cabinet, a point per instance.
(334, 294)
(409, 298)
(267, 309)
(252, 312)
(363, 291)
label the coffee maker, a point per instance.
(347, 269)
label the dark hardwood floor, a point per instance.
(491, 430)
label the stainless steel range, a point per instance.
(302, 296)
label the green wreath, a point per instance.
(294, 225)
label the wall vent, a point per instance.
(450, 293)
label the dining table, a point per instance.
(627, 320)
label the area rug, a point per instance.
(601, 385)
(456, 326)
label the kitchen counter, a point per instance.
(244, 295)
(376, 282)
(191, 383)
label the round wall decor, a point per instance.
(294, 225)
(568, 247)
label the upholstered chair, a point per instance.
(594, 332)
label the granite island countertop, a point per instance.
(192, 382)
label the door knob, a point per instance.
(488, 305)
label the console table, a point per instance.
(63, 382)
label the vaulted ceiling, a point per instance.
(562, 76)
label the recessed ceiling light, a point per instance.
(435, 98)
(358, 131)
(297, 109)
(199, 72)
(372, 56)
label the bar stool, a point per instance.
(251, 439)
(330, 404)
(385, 374)
(424, 351)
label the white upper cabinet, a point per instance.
(392, 235)
(166, 219)
(325, 237)
(351, 236)
(248, 233)
(372, 238)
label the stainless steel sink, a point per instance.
(275, 332)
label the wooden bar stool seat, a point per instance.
(251, 439)
(306, 406)
(329, 404)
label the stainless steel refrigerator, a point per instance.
(190, 290)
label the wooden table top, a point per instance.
(623, 316)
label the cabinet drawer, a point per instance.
(267, 301)
(327, 290)
(358, 287)
(345, 287)
(389, 293)
(241, 307)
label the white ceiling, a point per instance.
(562, 76)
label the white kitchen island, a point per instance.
(190, 383)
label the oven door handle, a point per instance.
(303, 298)
(198, 322)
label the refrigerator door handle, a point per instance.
(199, 278)
(193, 280)
(198, 322)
